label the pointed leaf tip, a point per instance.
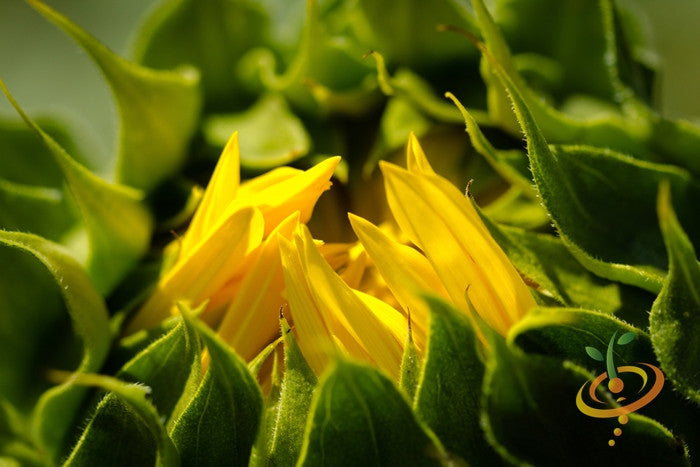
(158, 110)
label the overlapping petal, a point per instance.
(254, 309)
(442, 222)
(228, 250)
(197, 276)
(406, 271)
(327, 312)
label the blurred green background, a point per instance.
(50, 74)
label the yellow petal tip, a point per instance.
(416, 160)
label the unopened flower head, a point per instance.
(248, 253)
(451, 254)
(229, 255)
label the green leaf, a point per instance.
(166, 366)
(256, 364)
(218, 33)
(32, 196)
(674, 320)
(35, 312)
(114, 420)
(270, 135)
(514, 169)
(677, 140)
(127, 413)
(516, 209)
(563, 334)
(358, 417)
(325, 73)
(260, 452)
(637, 56)
(407, 85)
(410, 367)
(118, 225)
(569, 333)
(531, 416)
(409, 35)
(448, 397)
(18, 142)
(16, 448)
(56, 408)
(169, 367)
(220, 423)
(577, 184)
(594, 353)
(616, 240)
(627, 134)
(497, 103)
(128, 347)
(549, 266)
(399, 120)
(585, 69)
(635, 129)
(285, 432)
(40, 210)
(158, 110)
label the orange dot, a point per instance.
(611, 442)
(615, 385)
(623, 419)
(617, 431)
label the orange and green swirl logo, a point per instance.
(632, 386)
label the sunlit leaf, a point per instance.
(554, 271)
(220, 422)
(56, 409)
(218, 33)
(353, 420)
(674, 323)
(449, 396)
(158, 110)
(285, 432)
(128, 412)
(118, 225)
(619, 240)
(270, 135)
(410, 368)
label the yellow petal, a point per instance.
(314, 338)
(394, 321)
(266, 180)
(297, 193)
(336, 300)
(354, 268)
(336, 254)
(251, 321)
(444, 224)
(407, 272)
(218, 300)
(337, 323)
(220, 192)
(416, 161)
(374, 284)
(195, 277)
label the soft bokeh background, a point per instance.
(49, 74)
